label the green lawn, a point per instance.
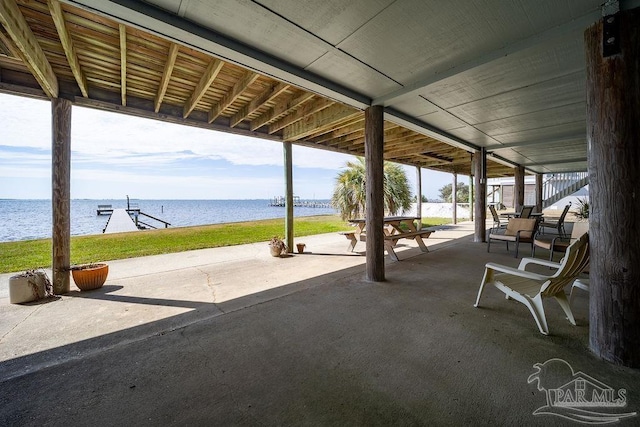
(29, 254)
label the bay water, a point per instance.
(31, 219)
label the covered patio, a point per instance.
(530, 87)
(193, 338)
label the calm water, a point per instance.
(31, 219)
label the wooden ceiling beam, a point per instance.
(356, 126)
(268, 95)
(166, 75)
(307, 110)
(322, 133)
(67, 45)
(241, 85)
(413, 142)
(428, 161)
(397, 135)
(282, 108)
(27, 47)
(439, 158)
(323, 119)
(123, 63)
(354, 140)
(13, 52)
(401, 134)
(201, 88)
(414, 159)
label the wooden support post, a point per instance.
(288, 184)
(538, 192)
(374, 164)
(480, 176)
(518, 188)
(419, 196)
(454, 198)
(61, 193)
(613, 132)
(471, 173)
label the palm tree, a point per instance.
(349, 195)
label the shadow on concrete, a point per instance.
(331, 350)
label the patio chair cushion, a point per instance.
(526, 226)
(559, 243)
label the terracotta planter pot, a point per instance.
(301, 247)
(90, 276)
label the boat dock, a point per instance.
(120, 222)
(108, 210)
(280, 201)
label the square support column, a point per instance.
(374, 166)
(61, 193)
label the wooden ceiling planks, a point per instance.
(100, 57)
(29, 48)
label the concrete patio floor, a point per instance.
(232, 336)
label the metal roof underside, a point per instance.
(453, 76)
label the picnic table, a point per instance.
(395, 228)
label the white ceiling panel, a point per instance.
(472, 135)
(257, 27)
(546, 133)
(571, 113)
(416, 36)
(172, 6)
(554, 59)
(552, 152)
(554, 93)
(443, 120)
(336, 66)
(416, 107)
(331, 20)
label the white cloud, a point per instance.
(27, 172)
(114, 138)
(111, 135)
(104, 145)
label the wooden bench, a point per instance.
(391, 240)
(352, 236)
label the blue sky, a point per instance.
(114, 155)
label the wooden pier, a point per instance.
(108, 210)
(120, 222)
(280, 202)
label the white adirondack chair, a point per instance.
(530, 288)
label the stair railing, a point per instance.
(561, 184)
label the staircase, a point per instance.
(560, 185)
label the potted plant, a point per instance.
(90, 276)
(277, 247)
(582, 213)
